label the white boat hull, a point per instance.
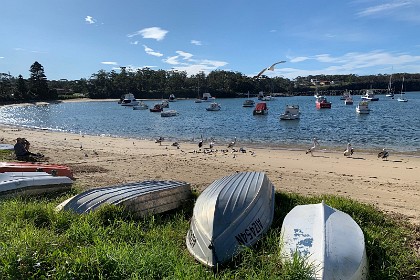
(329, 239)
(32, 183)
(233, 212)
(140, 198)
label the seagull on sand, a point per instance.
(349, 151)
(384, 154)
(159, 140)
(200, 144)
(315, 146)
(232, 144)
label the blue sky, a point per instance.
(75, 39)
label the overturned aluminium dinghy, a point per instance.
(142, 198)
(232, 212)
(328, 239)
(32, 183)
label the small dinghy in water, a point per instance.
(31, 183)
(328, 239)
(142, 198)
(233, 212)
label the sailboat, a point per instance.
(248, 102)
(390, 92)
(401, 98)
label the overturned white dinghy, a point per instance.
(232, 212)
(329, 240)
(31, 183)
(141, 198)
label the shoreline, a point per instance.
(391, 185)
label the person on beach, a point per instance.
(21, 149)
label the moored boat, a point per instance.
(169, 113)
(248, 103)
(322, 103)
(348, 100)
(291, 113)
(207, 97)
(363, 107)
(53, 169)
(260, 109)
(214, 106)
(172, 98)
(32, 183)
(328, 239)
(156, 108)
(141, 106)
(233, 212)
(140, 198)
(129, 100)
(369, 95)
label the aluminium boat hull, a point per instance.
(31, 183)
(140, 198)
(328, 239)
(233, 212)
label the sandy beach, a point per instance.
(392, 185)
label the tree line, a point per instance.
(147, 83)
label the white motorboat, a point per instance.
(141, 106)
(169, 113)
(328, 239)
(129, 100)
(233, 212)
(363, 107)
(140, 198)
(172, 98)
(207, 97)
(290, 113)
(32, 183)
(214, 106)
(369, 95)
(348, 100)
(165, 104)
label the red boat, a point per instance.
(54, 169)
(260, 109)
(321, 103)
(157, 108)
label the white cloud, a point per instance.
(134, 43)
(173, 60)
(109, 62)
(151, 51)
(384, 8)
(156, 33)
(90, 20)
(1, 57)
(184, 55)
(195, 42)
(298, 59)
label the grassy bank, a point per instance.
(37, 242)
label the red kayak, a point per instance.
(54, 169)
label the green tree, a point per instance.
(21, 88)
(38, 82)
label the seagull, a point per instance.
(349, 150)
(175, 144)
(159, 140)
(384, 154)
(315, 146)
(232, 144)
(271, 68)
(211, 145)
(200, 144)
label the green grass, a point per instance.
(36, 242)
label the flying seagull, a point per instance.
(349, 151)
(271, 68)
(384, 154)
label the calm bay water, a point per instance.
(391, 124)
